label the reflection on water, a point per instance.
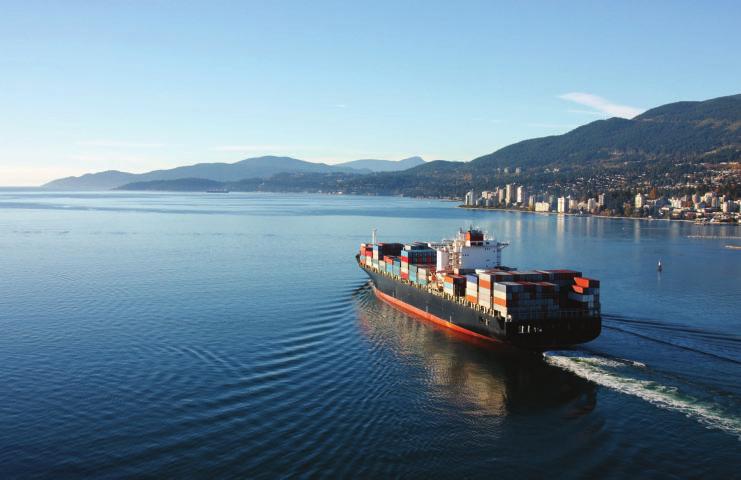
(478, 378)
(192, 335)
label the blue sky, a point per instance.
(134, 86)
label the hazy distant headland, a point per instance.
(260, 167)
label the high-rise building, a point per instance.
(468, 201)
(640, 200)
(509, 195)
(562, 205)
(601, 200)
(591, 205)
(500, 195)
(521, 194)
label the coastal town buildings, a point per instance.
(703, 207)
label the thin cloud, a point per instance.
(602, 105)
(118, 144)
(587, 112)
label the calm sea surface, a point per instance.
(204, 335)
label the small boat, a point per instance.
(659, 267)
(217, 190)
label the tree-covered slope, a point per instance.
(685, 131)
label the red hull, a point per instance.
(405, 307)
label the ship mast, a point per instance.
(500, 246)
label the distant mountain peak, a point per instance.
(257, 167)
(373, 165)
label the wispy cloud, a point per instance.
(587, 112)
(602, 105)
(118, 144)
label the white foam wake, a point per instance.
(595, 369)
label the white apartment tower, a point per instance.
(521, 198)
(509, 195)
(562, 205)
(640, 200)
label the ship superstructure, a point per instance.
(462, 284)
(470, 250)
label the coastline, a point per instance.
(514, 210)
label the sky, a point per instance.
(141, 85)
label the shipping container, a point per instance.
(586, 282)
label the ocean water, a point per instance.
(203, 335)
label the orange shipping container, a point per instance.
(586, 282)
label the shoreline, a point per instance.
(512, 210)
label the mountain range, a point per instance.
(662, 146)
(260, 167)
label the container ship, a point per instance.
(461, 284)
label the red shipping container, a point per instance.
(586, 282)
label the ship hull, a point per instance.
(464, 318)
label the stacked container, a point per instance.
(412, 269)
(366, 254)
(472, 288)
(563, 278)
(585, 292)
(531, 299)
(416, 254)
(424, 274)
(454, 285)
(486, 283)
(528, 276)
(381, 250)
(427, 256)
(388, 264)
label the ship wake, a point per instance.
(635, 379)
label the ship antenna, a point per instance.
(373, 236)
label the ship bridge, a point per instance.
(471, 249)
